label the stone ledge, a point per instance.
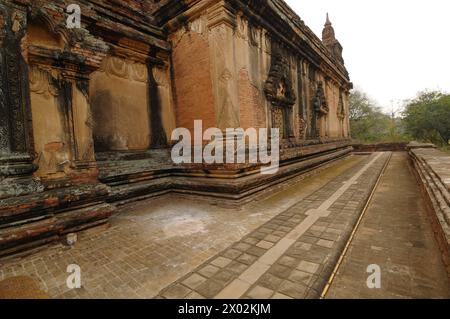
(432, 168)
(134, 180)
(37, 219)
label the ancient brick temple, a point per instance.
(86, 114)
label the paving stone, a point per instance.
(288, 261)
(194, 281)
(247, 259)
(303, 246)
(264, 244)
(259, 292)
(294, 290)
(280, 296)
(237, 267)
(251, 240)
(300, 277)
(195, 295)
(272, 238)
(308, 239)
(256, 251)
(176, 291)
(209, 288)
(221, 262)
(270, 281)
(232, 254)
(242, 247)
(208, 271)
(325, 243)
(309, 267)
(278, 233)
(280, 271)
(224, 277)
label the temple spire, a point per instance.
(328, 22)
(330, 41)
(328, 32)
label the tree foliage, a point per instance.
(367, 121)
(427, 117)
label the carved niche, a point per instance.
(280, 94)
(320, 102)
(320, 109)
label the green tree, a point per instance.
(427, 117)
(368, 123)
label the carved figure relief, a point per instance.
(341, 114)
(41, 83)
(280, 94)
(241, 26)
(320, 103)
(253, 35)
(341, 109)
(227, 114)
(278, 120)
(17, 21)
(320, 110)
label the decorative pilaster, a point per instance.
(221, 24)
(16, 139)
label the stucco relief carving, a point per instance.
(161, 76)
(197, 26)
(280, 93)
(341, 108)
(41, 83)
(253, 35)
(241, 26)
(278, 87)
(125, 69)
(267, 43)
(320, 103)
(320, 111)
(17, 21)
(54, 158)
(228, 116)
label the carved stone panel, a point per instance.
(15, 119)
(280, 93)
(278, 120)
(320, 111)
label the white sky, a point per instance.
(392, 48)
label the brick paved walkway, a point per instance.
(284, 245)
(293, 254)
(396, 235)
(151, 244)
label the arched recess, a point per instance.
(59, 94)
(50, 127)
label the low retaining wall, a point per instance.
(432, 168)
(380, 147)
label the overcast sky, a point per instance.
(392, 48)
